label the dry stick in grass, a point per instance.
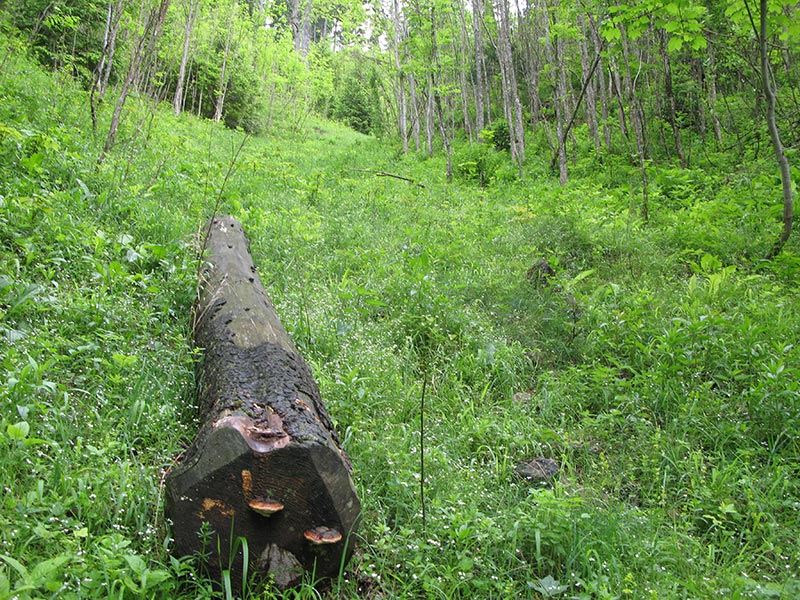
(384, 174)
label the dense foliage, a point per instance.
(655, 361)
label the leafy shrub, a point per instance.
(498, 134)
(476, 162)
(356, 100)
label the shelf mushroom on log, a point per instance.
(266, 465)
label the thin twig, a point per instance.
(218, 201)
(563, 140)
(384, 174)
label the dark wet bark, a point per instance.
(266, 445)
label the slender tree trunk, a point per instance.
(480, 64)
(400, 87)
(601, 80)
(767, 83)
(429, 118)
(670, 97)
(177, 101)
(562, 109)
(463, 51)
(511, 104)
(109, 48)
(531, 64)
(588, 69)
(437, 100)
(103, 70)
(711, 82)
(562, 140)
(414, 102)
(223, 76)
(699, 109)
(300, 22)
(554, 57)
(637, 123)
(402, 107)
(146, 44)
(615, 80)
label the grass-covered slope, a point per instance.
(658, 366)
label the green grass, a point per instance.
(668, 390)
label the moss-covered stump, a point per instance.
(267, 465)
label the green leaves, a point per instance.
(18, 431)
(682, 20)
(46, 576)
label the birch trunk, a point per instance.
(553, 53)
(414, 101)
(511, 104)
(177, 101)
(146, 44)
(480, 64)
(767, 83)
(637, 123)
(588, 70)
(671, 104)
(400, 87)
(223, 76)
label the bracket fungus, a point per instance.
(266, 507)
(322, 535)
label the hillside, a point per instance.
(655, 361)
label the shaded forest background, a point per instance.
(676, 81)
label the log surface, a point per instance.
(267, 465)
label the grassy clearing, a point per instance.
(658, 366)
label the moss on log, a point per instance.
(267, 465)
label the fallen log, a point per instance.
(266, 465)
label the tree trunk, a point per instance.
(463, 51)
(604, 91)
(109, 48)
(560, 154)
(480, 64)
(400, 87)
(589, 86)
(146, 45)
(437, 100)
(413, 100)
(711, 79)
(553, 49)
(511, 104)
(527, 35)
(637, 122)
(223, 75)
(774, 134)
(267, 465)
(429, 118)
(103, 70)
(671, 104)
(300, 21)
(177, 101)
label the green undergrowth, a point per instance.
(655, 362)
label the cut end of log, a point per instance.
(322, 535)
(266, 507)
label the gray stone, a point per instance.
(539, 470)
